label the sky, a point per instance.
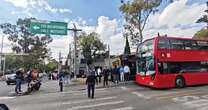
(176, 19)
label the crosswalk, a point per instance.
(193, 102)
(102, 101)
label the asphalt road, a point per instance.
(121, 97)
(5, 89)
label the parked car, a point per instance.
(10, 79)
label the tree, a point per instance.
(204, 18)
(91, 46)
(52, 65)
(136, 14)
(202, 34)
(23, 41)
(127, 50)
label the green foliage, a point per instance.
(202, 34)
(52, 65)
(91, 46)
(23, 41)
(203, 19)
(127, 50)
(136, 14)
(12, 62)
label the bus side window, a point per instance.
(203, 45)
(160, 67)
(177, 44)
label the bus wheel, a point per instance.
(180, 82)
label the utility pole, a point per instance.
(1, 53)
(75, 30)
(109, 56)
(59, 63)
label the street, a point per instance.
(120, 97)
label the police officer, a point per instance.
(90, 82)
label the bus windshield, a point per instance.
(145, 62)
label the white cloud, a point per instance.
(60, 44)
(174, 18)
(19, 3)
(38, 5)
(110, 32)
(179, 12)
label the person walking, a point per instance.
(19, 77)
(90, 82)
(126, 72)
(61, 78)
(105, 77)
(121, 70)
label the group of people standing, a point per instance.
(121, 73)
(94, 76)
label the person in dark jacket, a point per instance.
(90, 82)
(105, 77)
(19, 77)
(61, 79)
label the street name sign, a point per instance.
(49, 28)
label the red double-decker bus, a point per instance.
(165, 62)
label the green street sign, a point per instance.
(50, 28)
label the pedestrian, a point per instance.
(29, 77)
(126, 72)
(105, 77)
(99, 74)
(66, 77)
(19, 77)
(90, 82)
(115, 74)
(121, 70)
(61, 78)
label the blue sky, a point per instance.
(102, 16)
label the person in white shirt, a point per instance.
(99, 72)
(126, 72)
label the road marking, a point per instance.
(96, 105)
(4, 98)
(124, 88)
(185, 98)
(89, 100)
(178, 95)
(124, 108)
(204, 108)
(196, 103)
(84, 93)
(139, 95)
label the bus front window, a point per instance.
(146, 63)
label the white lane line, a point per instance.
(4, 98)
(140, 95)
(86, 93)
(204, 108)
(196, 103)
(89, 100)
(83, 91)
(96, 105)
(124, 108)
(123, 88)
